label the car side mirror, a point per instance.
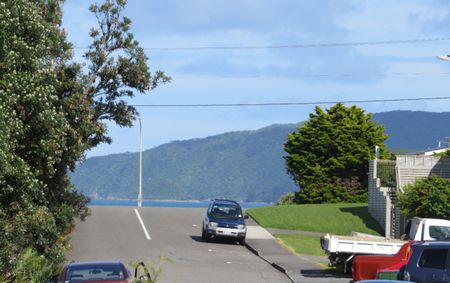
(246, 216)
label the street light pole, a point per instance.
(140, 165)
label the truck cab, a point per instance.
(421, 229)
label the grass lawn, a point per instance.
(339, 219)
(308, 245)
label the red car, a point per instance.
(96, 272)
(366, 267)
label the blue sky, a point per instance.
(275, 75)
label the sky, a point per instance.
(273, 75)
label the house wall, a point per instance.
(411, 168)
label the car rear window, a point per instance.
(94, 272)
(433, 258)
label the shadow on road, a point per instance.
(197, 238)
(223, 241)
(320, 273)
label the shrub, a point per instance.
(287, 198)
(30, 267)
(427, 197)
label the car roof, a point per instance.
(381, 281)
(225, 201)
(83, 263)
(432, 244)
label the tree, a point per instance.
(52, 112)
(332, 150)
(427, 197)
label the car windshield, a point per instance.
(87, 273)
(226, 211)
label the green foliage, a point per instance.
(331, 152)
(31, 268)
(349, 191)
(427, 197)
(50, 114)
(386, 173)
(340, 219)
(443, 154)
(287, 198)
(118, 66)
(35, 136)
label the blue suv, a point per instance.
(224, 218)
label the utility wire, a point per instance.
(291, 103)
(342, 75)
(292, 46)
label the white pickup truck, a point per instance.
(342, 249)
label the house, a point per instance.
(387, 177)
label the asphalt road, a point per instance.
(115, 233)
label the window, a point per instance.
(433, 258)
(226, 211)
(440, 233)
(97, 272)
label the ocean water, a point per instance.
(161, 203)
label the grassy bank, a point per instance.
(301, 244)
(339, 219)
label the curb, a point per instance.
(273, 264)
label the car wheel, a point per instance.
(203, 233)
(242, 241)
(207, 237)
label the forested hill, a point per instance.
(245, 165)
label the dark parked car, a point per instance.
(97, 271)
(224, 218)
(429, 263)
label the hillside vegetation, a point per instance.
(245, 165)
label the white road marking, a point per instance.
(142, 224)
(194, 225)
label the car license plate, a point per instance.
(226, 232)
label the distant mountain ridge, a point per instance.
(414, 129)
(244, 165)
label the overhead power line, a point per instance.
(291, 46)
(302, 75)
(292, 103)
